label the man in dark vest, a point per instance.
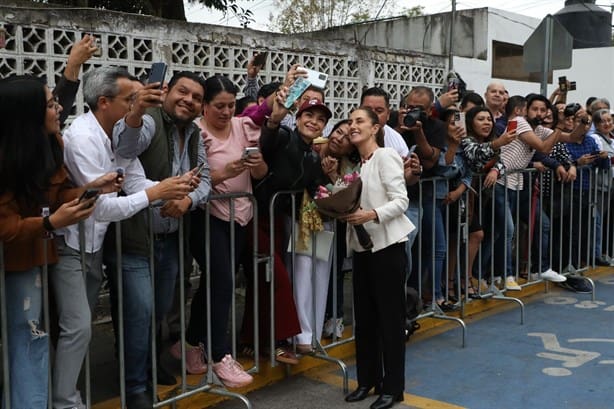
(173, 147)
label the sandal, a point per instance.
(446, 306)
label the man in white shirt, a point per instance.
(88, 153)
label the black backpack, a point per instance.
(413, 307)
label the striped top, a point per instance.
(517, 154)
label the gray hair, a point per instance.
(599, 101)
(102, 81)
(598, 116)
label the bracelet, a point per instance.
(47, 224)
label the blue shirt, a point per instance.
(576, 150)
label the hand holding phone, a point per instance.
(316, 78)
(260, 59)
(459, 120)
(89, 194)
(250, 150)
(157, 73)
(296, 90)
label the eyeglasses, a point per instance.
(129, 99)
(53, 103)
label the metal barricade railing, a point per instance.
(577, 212)
(319, 351)
(434, 311)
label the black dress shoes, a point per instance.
(359, 394)
(386, 401)
(141, 400)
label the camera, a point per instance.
(413, 116)
(571, 109)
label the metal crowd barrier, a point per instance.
(568, 209)
(434, 311)
(319, 351)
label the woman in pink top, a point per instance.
(226, 139)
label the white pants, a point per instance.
(310, 291)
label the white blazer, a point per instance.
(383, 189)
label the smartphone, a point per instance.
(296, 90)
(250, 150)
(88, 194)
(512, 124)
(157, 73)
(453, 83)
(96, 43)
(596, 153)
(316, 78)
(411, 150)
(200, 169)
(563, 84)
(459, 120)
(260, 58)
(120, 174)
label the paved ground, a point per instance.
(562, 357)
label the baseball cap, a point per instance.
(314, 104)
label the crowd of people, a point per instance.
(150, 157)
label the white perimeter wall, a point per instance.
(592, 68)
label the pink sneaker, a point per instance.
(231, 373)
(194, 357)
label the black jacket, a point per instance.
(293, 165)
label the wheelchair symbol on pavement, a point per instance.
(571, 358)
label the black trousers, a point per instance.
(379, 308)
(221, 284)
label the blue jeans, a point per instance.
(434, 238)
(138, 299)
(502, 232)
(544, 263)
(28, 345)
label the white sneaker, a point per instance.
(333, 325)
(553, 276)
(511, 284)
(327, 331)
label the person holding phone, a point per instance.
(588, 156)
(36, 198)
(176, 138)
(235, 160)
(88, 153)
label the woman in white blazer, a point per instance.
(378, 274)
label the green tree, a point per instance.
(171, 9)
(298, 16)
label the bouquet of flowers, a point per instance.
(341, 199)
